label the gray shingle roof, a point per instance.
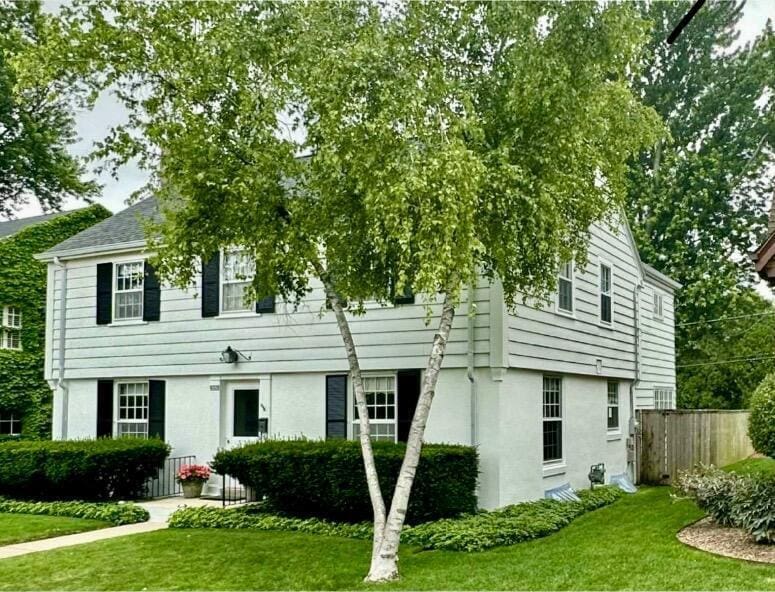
(10, 227)
(124, 227)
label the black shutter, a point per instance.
(265, 304)
(336, 407)
(104, 408)
(408, 393)
(151, 294)
(104, 293)
(211, 286)
(156, 405)
(406, 298)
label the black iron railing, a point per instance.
(165, 483)
(233, 492)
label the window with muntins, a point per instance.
(664, 398)
(128, 291)
(552, 419)
(606, 294)
(132, 414)
(565, 288)
(380, 392)
(613, 405)
(658, 304)
(11, 329)
(10, 423)
(237, 273)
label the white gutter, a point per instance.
(84, 252)
(61, 383)
(471, 322)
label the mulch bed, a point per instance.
(727, 541)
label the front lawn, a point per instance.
(19, 528)
(631, 544)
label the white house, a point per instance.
(543, 393)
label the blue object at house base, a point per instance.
(563, 493)
(623, 481)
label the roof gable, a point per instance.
(11, 227)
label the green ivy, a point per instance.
(473, 532)
(116, 514)
(23, 285)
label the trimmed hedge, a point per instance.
(79, 469)
(326, 478)
(116, 514)
(761, 425)
(476, 532)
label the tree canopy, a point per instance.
(36, 125)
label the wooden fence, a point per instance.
(671, 441)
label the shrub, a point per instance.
(473, 532)
(326, 479)
(79, 469)
(761, 426)
(116, 514)
(754, 507)
(713, 490)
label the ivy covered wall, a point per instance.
(23, 285)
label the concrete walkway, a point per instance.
(160, 510)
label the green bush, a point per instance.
(474, 532)
(761, 426)
(713, 490)
(116, 514)
(79, 469)
(754, 507)
(326, 479)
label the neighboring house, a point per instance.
(543, 393)
(764, 256)
(25, 397)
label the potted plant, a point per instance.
(193, 478)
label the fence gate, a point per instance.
(672, 441)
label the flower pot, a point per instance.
(192, 489)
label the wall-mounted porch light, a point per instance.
(231, 356)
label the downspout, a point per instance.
(471, 376)
(634, 427)
(61, 383)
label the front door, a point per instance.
(246, 422)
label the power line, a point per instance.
(732, 361)
(748, 316)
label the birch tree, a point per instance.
(441, 142)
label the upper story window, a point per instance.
(380, 392)
(664, 398)
(237, 273)
(613, 405)
(606, 294)
(128, 291)
(11, 330)
(658, 305)
(565, 288)
(552, 419)
(132, 409)
(10, 423)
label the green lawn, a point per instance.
(752, 466)
(18, 528)
(631, 545)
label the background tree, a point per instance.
(446, 140)
(36, 124)
(697, 203)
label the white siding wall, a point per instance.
(542, 339)
(183, 343)
(657, 346)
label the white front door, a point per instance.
(246, 418)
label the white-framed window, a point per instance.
(380, 392)
(11, 337)
(613, 405)
(552, 419)
(664, 397)
(658, 305)
(128, 290)
(565, 288)
(132, 409)
(237, 271)
(10, 423)
(606, 294)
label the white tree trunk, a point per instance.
(384, 563)
(372, 478)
